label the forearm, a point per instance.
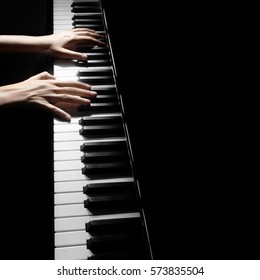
(11, 94)
(22, 43)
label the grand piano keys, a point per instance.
(97, 203)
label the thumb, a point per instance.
(65, 53)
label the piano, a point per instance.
(201, 176)
(98, 211)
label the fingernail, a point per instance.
(84, 57)
(68, 117)
(94, 93)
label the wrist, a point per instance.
(21, 43)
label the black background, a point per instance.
(26, 207)
(191, 139)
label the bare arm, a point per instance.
(43, 89)
(60, 45)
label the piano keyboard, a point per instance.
(97, 214)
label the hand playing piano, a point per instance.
(63, 44)
(59, 45)
(44, 90)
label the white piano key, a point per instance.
(62, 16)
(62, 176)
(69, 65)
(75, 136)
(73, 238)
(78, 223)
(69, 198)
(67, 146)
(103, 87)
(72, 186)
(62, 27)
(68, 165)
(67, 155)
(89, 1)
(75, 145)
(70, 127)
(62, 11)
(74, 120)
(72, 136)
(61, 4)
(65, 78)
(72, 253)
(71, 175)
(68, 72)
(77, 186)
(61, 211)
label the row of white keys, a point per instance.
(70, 215)
(70, 236)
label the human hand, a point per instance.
(43, 89)
(63, 44)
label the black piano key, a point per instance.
(96, 56)
(89, 50)
(109, 188)
(107, 156)
(85, 9)
(85, 3)
(96, 27)
(104, 71)
(120, 255)
(114, 168)
(96, 63)
(111, 120)
(95, 80)
(86, 20)
(114, 242)
(106, 107)
(105, 98)
(109, 202)
(112, 226)
(106, 130)
(111, 91)
(103, 146)
(84, 16)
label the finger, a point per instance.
(69, 54)
(66, 105)
(76, 92)
(91, 34)
(97, 35)
(68, 99)
(82, 29)
(55, 110)
(72, 84)
(90, 40)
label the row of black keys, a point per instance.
(87, 15)
(124, 238)
(114, 238)
(108, 158)
(104, 198)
